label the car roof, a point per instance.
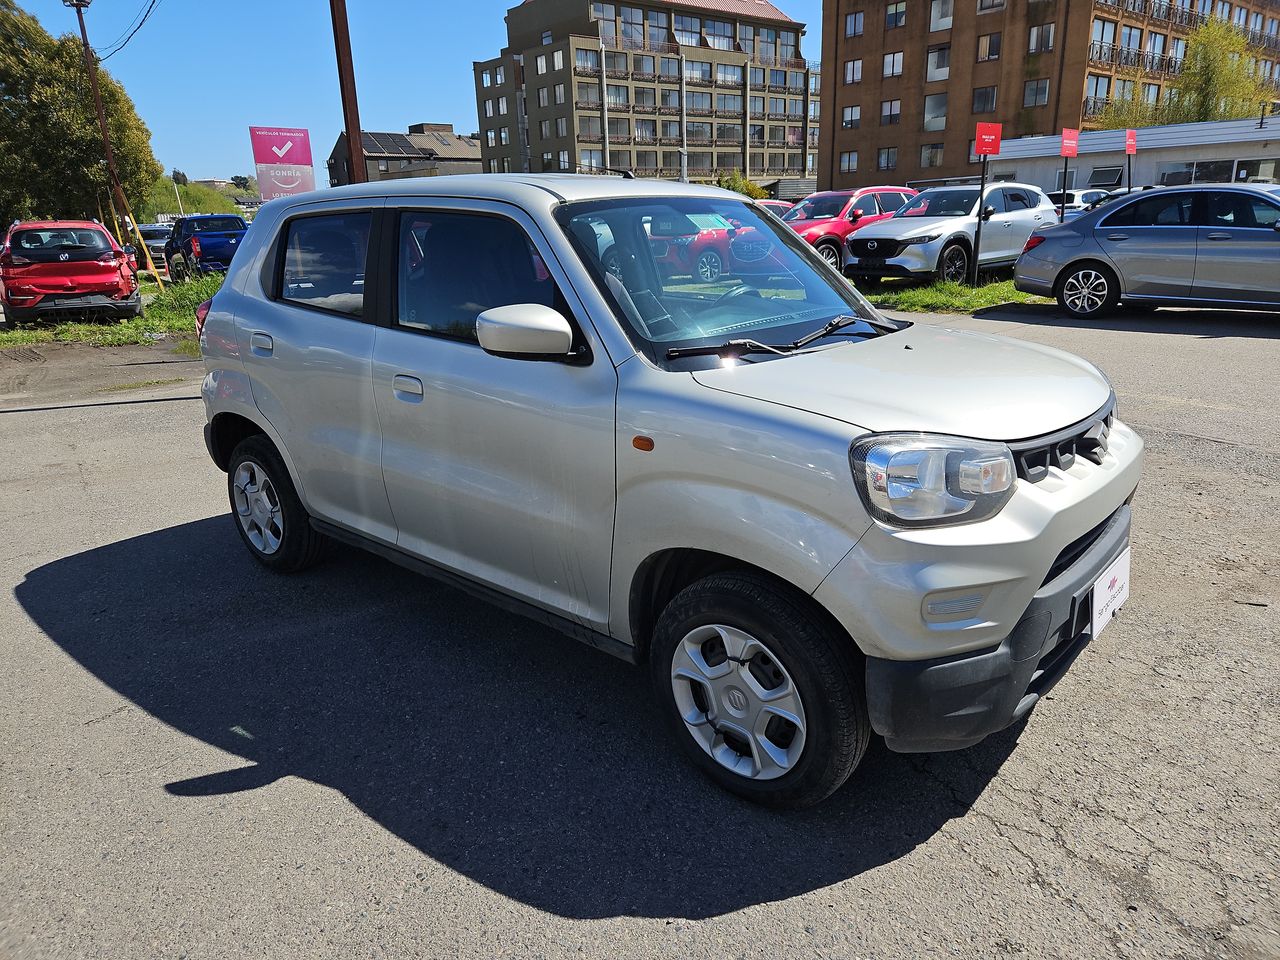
(57, 225)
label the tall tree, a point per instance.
(179, 177)
(51, 157)
(1219, 80)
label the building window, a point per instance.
(499, 76)
(940, 12)
(890, 112)
(935, 111)
(504, 135)
(546, 38)
(719, 34)
(645, 96)
(688, 30)
(488, 108)
(540, 64)
(491, 138)
(887, 158)
(853, 71)
(486, 79)
(544, 129)
(938, 65)
(989, 47)
(849, 161)
(1124, 89)
(1155, 43)
(853, 24)
(543, 99)
(931, 155)
(1097, 88)
(1131, 38)
(1035, 93)
(987, 5)
(1151, 93)
(547, 162)
(559, 93)
(658, 25)
(591, 159)
(670, 68)
(632, 26)
(1041, 38)
(382, 166)
(698, 70)
(588, 93)
(728, 73)
(502, 106)
(851, 118)
(557, 60)
(984, 99)
(564, 159)
(586, 59)
(670, 98)
(893, 64)
(895, 15)
(620, 95)
(604, 14)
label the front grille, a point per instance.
(1087, 439)
(1074, 550)
(877, 248)
(749, 251)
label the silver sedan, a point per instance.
(1205, 245)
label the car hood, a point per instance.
(897, 228)
(930, 379)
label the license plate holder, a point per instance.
(1110, 591)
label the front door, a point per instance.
(308, 351)
(1152, 243)
(1238, 250)
(496, 468)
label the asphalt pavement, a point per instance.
(201, 759)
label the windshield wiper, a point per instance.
(836, 324)
(729, 349)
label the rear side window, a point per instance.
(453, 266)
(890, 201)
(324, 262)
(1240, 210)
(1161, 210)
(1018, 200)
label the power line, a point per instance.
(145, 17)
(130, 26)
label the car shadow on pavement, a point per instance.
(517, 757)
(1206, 324)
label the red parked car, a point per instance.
(827, 218)
(719, 248)
(778, 207)
(63, 267)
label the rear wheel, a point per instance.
(1088, 290)
(953, 264)
(272, 521)
(709, 266)
(830, 252)
(763, 694)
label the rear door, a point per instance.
(996, 231)
(1238, 248)
(1151, 241)
(499, 469)
(1026, 215)
(308, 350)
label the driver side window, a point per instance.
(866, 205)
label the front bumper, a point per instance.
(77, 304)
(915, 260)
(948, 703)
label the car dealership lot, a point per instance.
(199, 758)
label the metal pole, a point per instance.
(746, 122)
(91, 65)
(684, 128)
(181, 212)
(977, 236)
(604, 104)
(347, 88)
(1062, 195)
(1129, 175)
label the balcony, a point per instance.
(645, 108)
(587, 104)
(1171, 13)
(1133, 59)
(580, 71)
(645, 45)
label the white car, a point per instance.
(1075, 199)
(808, 522)
(933, 234)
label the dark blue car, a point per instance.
(203, 244)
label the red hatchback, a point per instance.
(64, 267)
(826, 219)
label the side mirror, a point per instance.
(130, 249)
(524, 331)
(988, 212)
(855, 216)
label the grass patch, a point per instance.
(947, 297)
(140, 385)
(171, 312)
(187, 348)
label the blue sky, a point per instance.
(201, 74)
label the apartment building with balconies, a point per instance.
(907, 81)
(588, 86)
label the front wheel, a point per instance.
(830, 252)
(953, 264)
(1087, 291)
(709, 266)
(270, 518)
(764, 695)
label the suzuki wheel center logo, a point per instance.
(736, 700)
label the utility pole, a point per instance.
(604, 106)
(91, 65)
(347, 86)
(684, 124)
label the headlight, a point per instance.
(925, 480)
(929, 239)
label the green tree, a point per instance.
(51, 156)
(735, 181)
(1218, 81)
(245, 184)
(161, 198)
(178, 177)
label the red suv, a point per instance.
(825, 219)
(60, 267)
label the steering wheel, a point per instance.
(741, 290)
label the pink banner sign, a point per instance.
(282, 156)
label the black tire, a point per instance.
(1088, 290)
(714, 267)
(831, 253)
(823, 663)
(953, 263)
(300, 544)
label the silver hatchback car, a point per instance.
(1201, 245)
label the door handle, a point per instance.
(1118, 236)
(261, 344)
(1218, 236)
(407, 388)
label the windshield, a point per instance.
(217, 225)
(674, 284)
(155, 233)
(941, 202)
(816, 208)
